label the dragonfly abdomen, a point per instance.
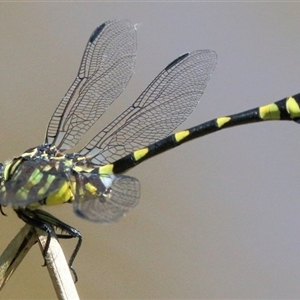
(285, 109)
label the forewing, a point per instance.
(105, 198)
(33, 181)
(106, 67)
(159, 110)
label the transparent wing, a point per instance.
(159, 110)
(106, 67)
(105, 198)
(33, 181)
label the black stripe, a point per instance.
(246, 117)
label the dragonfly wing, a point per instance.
(33, 181)
(106, 68)
(105, 198)
(159, 110)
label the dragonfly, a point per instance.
(93, 179)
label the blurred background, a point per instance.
(219, 217)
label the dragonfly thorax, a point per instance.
(45, 152)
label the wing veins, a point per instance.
(160, 109)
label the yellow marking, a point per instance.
(22, 193)
(10, 168)
(64, 194)
(293, 108)
(14, 166)
(222, 120)
(83, 169)
(90, 188)
(181, 135)
(6, 171)
(269, 112)
(42, 191)
(29, 154)
(35, 177)
(47, 168)
(57, 157)
(107, 169)
(139, 154)
(33, 205)
(82, 158)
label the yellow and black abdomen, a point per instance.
(285, 109)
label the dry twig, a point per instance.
(56, 263)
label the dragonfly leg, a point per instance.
(70, 232)
(29, 217)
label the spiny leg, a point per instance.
(71, 233)
(45, 221)
(29, 218)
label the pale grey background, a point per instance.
(219, 217)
